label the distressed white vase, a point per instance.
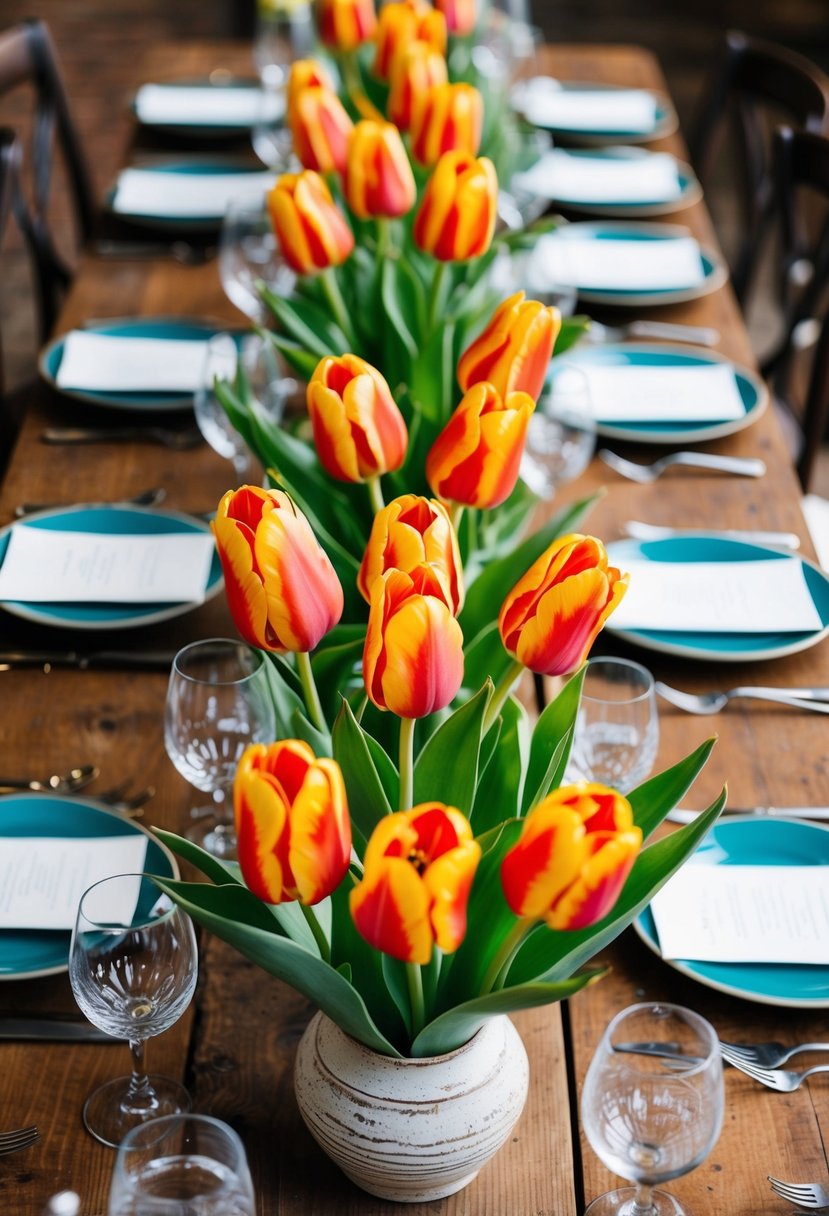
(411, 1130)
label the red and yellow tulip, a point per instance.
(378, 177)
(576, 849)
(282, 590)
(305, 74)
(344, 24)
(419, 867)
(401, 24)
(461, 15)
(311, 230)
(514, 351)
(413, 654)
(415, 534)
(415, 71)
(359, 432)
(449, 119)
(476, 458)
(292, 823)
(550, 619)
(321, 129)
(456, 218)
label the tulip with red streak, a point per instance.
(292, 823)
(419, 868)
(312, 232)
(415, 534)
(413, 654)
(320, 129)
(282, 591)
(476, 458)
(514, 351)
(378, 179)
(575, 852)
(306, 74)
(550, 619)
(456, 218)
(344, 24)
(359, 431)
(415, 71)
(461, 15)
(449, 119)
(401, 24)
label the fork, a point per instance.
(179, 441)
(700, 334)
(642, 531)
(784, 1080)
(744, 466)
(22, 1137)
(816, 699)
(805, 1194)
(765, 1055)
(57, 783)
(148, 498)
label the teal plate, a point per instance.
(26, 954)
(752, 390)
(109, 521)
(665, 119)
(130, 327)
(204, 130)
(745, 840)
(189, 168)
(690, 191)
(714, 269)
(720, 647)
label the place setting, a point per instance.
(189, 194)
(595, 114)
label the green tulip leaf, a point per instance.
(572, 331)
(367, 798)
(334, 663)
(219, 872)
(485, 658)
(498, 795)
(551, 743)
(307, 323)
(652, 800)
(301, 360)
(401, 306)
(447, 767)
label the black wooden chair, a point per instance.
(758, 86)
(9, 178)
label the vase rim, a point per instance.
(419, 1060)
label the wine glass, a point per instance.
(132, 966)
(616, 736)
(283, 33)
(249, 253)
(218, 702)
(181, 1165)
(561, 436)
(651, 1117)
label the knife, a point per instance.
(56, 1029)
(772, 812)
(142, 660)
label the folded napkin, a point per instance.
(568, 177)
(617, 264)
(627, 393)
(717, 597)
(207, 105)
(175, 194)
(45, 566)
(113, 363)
(546, 104)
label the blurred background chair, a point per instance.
(9, 171)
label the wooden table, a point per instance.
(234, 1048)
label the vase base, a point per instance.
(412, 1192)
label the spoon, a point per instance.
(57, 783)
(148, 498)
(180, 440)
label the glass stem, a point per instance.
(643, 1204)
(140, 1095)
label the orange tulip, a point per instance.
(281, 589)
(413, 655)
(450, 119)
(401, 24)
(320, 129)
(476, 458)
(419, 867)
(415, 535)
(415, 71)
(306, 74)
(292, 824)
(576, 849)
(344, 24)
(456, 219)
(514, 351)
(358, 430)
(378, 177)
(461, 15)
(551, 617)
(311, 230)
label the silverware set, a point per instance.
(147, 498)
(699, 335)
(816, 699)
(20, 1138)
(811, 1195)
(739, 466)
(178, 440)
(120, 797)
(778, 540)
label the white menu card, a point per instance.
(546, 104)
(610, 264)
(207, 105)
(112, 363)
(630, 393)
(188, 195)
(651, 177)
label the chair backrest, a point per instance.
(801, 161)
(9, 177)
(758, 86)
(27, 56)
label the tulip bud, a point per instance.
(415, 535)
(282, 590)
(553, 614)
(415, 71)
(292, 824)
(378, 178)
(311, 230)
(413, 656)
(450, 119)
(461, 15)
(401, 24)
(514, 351)
(306, 74)
(344, 24)
(456, 219)
(321, 129)
(575, 852)
(476, 458)
(419, 868)
(358, 430)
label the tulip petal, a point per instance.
(320, 847)
(246, 597)
(545, 861)
(304, 595)
(261, 817)
(424, 658)
(390, 908)
(600, 883)
(449, 881)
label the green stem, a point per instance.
(415, 980)
(456, 515)
(506, 952)
(309, 688)
(334, 296)
(316, 929)
(434, 298)
(502, 690)
(375, 493)
(351, 79)
(407, 728)
(383, 239)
